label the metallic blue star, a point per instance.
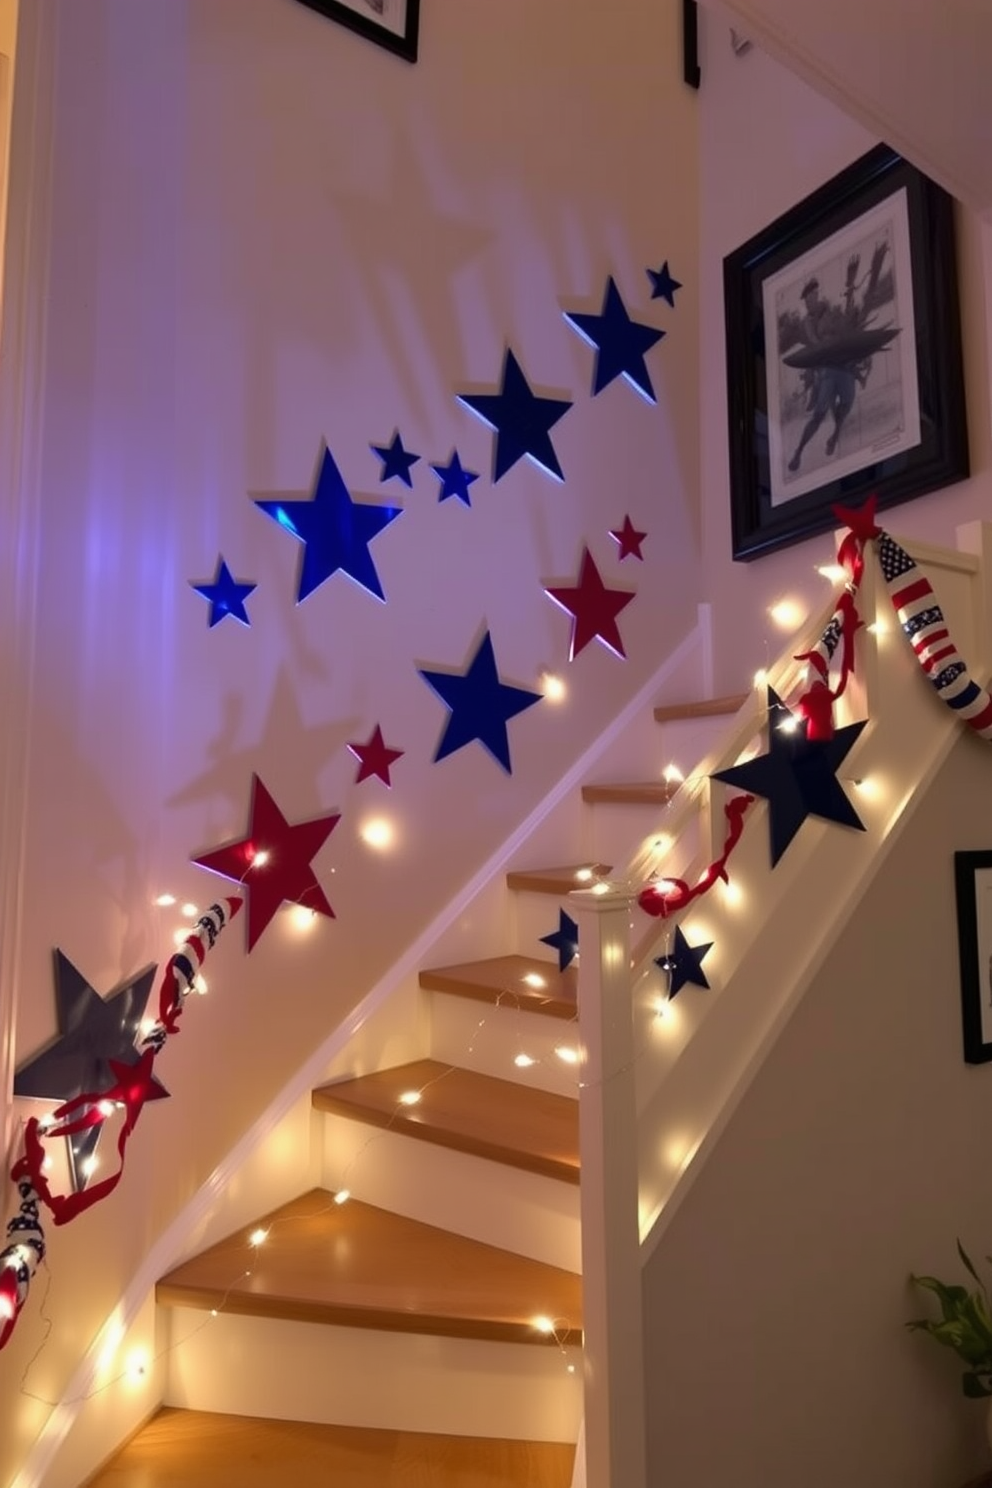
(455, 481)
(396, 461)
(682, 964)
(480, 705)
(225, 596)
(521, 420)
(620, 343)
(797, 777)
(565, 940)
(334, 530)
(663, 286)
(92, 1031)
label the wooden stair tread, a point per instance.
(500, 980)
(201, 1449)
(497, 1119)
(358, 1266)
(718, 707)
(644, 793)
(558, 881)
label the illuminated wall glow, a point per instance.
(301, 918)
(553, 687)
(190, 910)
(377, 832)
(787, 614)
(165, 900)
(533, 979)
(567, 1054)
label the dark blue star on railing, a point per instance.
(682, 964)
(565, 940)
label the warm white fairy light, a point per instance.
(601, 888)
(788, 724)
(258, 1237)
(761, 677)
(189, 910)
(410, 1098)
(377, 832)
(544, 1325)
(164, 901)
(200, 985)
(834, 573)
(180, 937)
(259, 858)
(583, 875)
(89, 1165)
(672, 775)
(342, 1196)
(524, 1061)
(301, 918)
(732, 894)
(533, 979)
(136, 1366)
(567, 1054)
(787, 614)
(553, 687)
(106, 1108)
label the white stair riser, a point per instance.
(361, 1377)
(479, 1036)
(488, 1201)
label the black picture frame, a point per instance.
(973, 892)
(905, 433)
(360, 16)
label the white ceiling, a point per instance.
(917, 73)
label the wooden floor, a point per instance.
(468, 1112)
(189, 1449)
(362, 1267)
(500, 981)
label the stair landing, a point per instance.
(202, 1450)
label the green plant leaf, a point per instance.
(967, 1263)
(975, 1386)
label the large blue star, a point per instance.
(797, 777)
(663, 286)
(225, 596)
(620, 343)
(92, 1031)
(565, 940)
(480, 705)
(682, 964)
(521, 420)
(396, 461)
(334, 530)
(455, 480)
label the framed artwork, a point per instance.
(973, 888)
(844, 369)
(394, 24)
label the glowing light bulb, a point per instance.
(89, 1165)
(136, 1366)
(567, 1054)
(259, 858)
(524, 1061)
(6, 1307)
(190, 910)
(833, 572)
(761, 677)
(787, 614)
(554, 687)
(732, 894)
(165, 900)
(673, 775)
(342, 1196)
(179, 937)
(258, 1237)
(106, 1108)
(532, 979)
(583, 875)
(200, 985)
(600, 888)
(410, 1098)
(378, 832)
(544, 1325)
(302, 919)
(788, 725)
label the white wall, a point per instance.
(265, 232)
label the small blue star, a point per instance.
(396, 461)
(480, 705)
(334, 530)
(565, 940)
(225, 596)
(620, 343)
(455, 481)
(683, 964)
(663, 286)
(521, 419)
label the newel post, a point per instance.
(611, 1260)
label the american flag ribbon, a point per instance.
(926, 629)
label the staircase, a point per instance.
(438, 1313)
(419, 1307)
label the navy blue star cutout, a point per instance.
(225, 596)
(480, 704)
(92, 1031)
(565, 940)
(797, 776)
(620, 343)
(334, 530)
(521, 419)
(396, 461)
(683, 964)
(663, 286)
(455, 481)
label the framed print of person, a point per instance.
(843, 355)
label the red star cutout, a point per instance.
(135, 1085)
(284, 872)
(375, 758)
(860, 521)
(594, 609)
(629, 540)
